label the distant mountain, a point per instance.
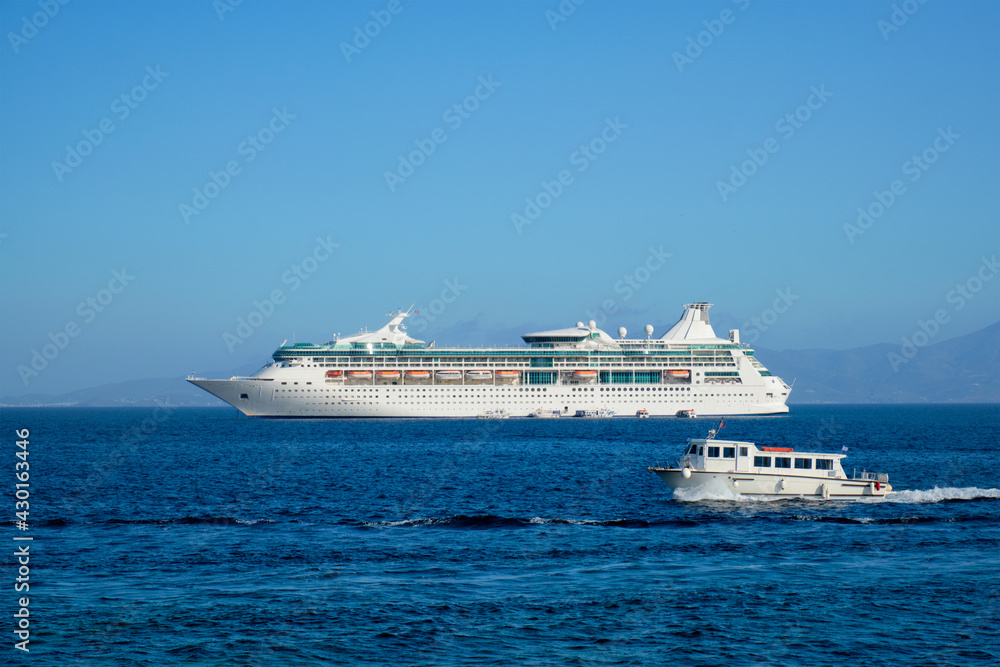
(960, 370)
(175, 392)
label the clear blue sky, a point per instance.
(669, 130)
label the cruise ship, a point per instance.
(387, 373)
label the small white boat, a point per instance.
(494, 414)
(686, 414)
(545, 414)
(743, 468)
(418, 374)
(448, 375)
(359, 374)
(387, 374)
(479, 375)
(642, 414)
(602, 413)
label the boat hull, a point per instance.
(773, 485)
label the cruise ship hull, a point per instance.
(269, 398)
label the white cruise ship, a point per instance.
(387, 373)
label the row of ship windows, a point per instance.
(765, 461)
(631, 392)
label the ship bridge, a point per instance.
(580, 336)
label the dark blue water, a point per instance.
(192, 537)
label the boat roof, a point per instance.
(693, 327)
(774, 449)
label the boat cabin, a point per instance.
(727, 456)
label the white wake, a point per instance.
(937, 495)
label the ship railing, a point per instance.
(866, 476)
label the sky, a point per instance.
(186, 185)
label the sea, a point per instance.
(173, 536)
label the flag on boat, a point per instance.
(722, 424)
(844, 448)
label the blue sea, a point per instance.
(199, 537)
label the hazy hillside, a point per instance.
(960, 370)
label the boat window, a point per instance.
(824, 464)
(713, 452)
(701, 450)
(693, 449)
(803, 464)
(743, 451)
(762, 461)
(729, 452)
(782, 462)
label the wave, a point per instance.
(911, 497)
(702, 493)
(939, 495)
(486, 521)
(193, 520)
